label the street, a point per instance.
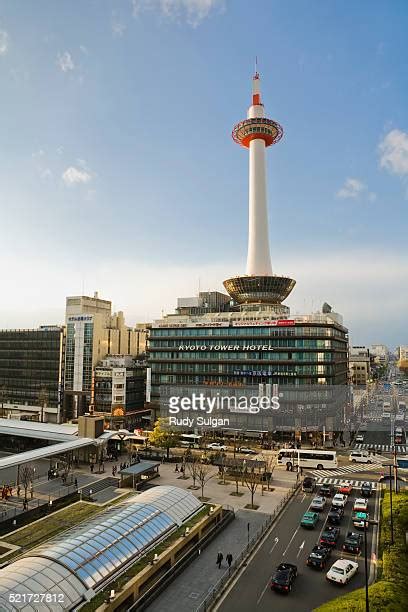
(292, 543)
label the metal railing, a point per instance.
(216, 591)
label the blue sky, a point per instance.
(118, 172)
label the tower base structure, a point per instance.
(259, 289)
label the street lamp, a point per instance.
(390, 466)
(367, 522)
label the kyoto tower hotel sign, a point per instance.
(259, 285)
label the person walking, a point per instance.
(220, 557)
(229, 559)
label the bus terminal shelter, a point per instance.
(139, 473)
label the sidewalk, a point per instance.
(189, 589)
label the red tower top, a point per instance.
(257, 126)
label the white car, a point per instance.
(342, 571)
(339, 500)
(360, 505)
(359, 438)
(216, 446)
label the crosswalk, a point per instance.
(385, 448)
(348, 469)
(338, 481)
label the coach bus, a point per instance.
(310, 459)
(190, 440)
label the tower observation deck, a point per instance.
(259, 285)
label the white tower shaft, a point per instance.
(259, 257)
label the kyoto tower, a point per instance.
(259, 285)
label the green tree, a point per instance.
(163, 436)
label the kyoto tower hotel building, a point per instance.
(248, 338)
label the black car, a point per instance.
(353, 542)
(366, 489)
(284, 577)
(326, 490)
(330, 536)
(318, 557)
(335, 515)
(308, 484)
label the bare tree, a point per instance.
(203, 476)
(251, 480)
(66, 467)
(193, 466)
(26, 479)
(270, 464)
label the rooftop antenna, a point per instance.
(256, 64)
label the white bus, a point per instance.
(190, 440)
(312, 459)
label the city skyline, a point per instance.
(120, 173)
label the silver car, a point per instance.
(318, 503)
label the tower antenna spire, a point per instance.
(256, 65)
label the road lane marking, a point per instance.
(290, 542)
(301, 547)
(275, 543)
(262, 594)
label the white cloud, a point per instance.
(372, 196)
(73, 176)
(352, 188)
(65, 62)
(4, 42)
(394, 152)
(46, 174)
(83, 49)
(191, 11)
(118, 28)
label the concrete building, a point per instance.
(402, 357)
(31, 373)
(93, 332)
(380, 353)
(120, 392)
(359, 365)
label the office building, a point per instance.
(359, 365)
(93, 332)
(31, 373)
(120, 392)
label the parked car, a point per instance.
(318, 556)
(326, 490)
(308, 484)
(345, 488)
(342, 571)
(366, 489)
(335, 516)
(247, 450)
(360, 505)
(339, 500)
(353, 543)
(216, 446)
(318, 504)
(309, 520)
(284, 577)
(330, 536)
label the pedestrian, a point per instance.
(220, 557)
(229, 559)
(92, 468)
(76, 483)
(176, 469)
(301, 471)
